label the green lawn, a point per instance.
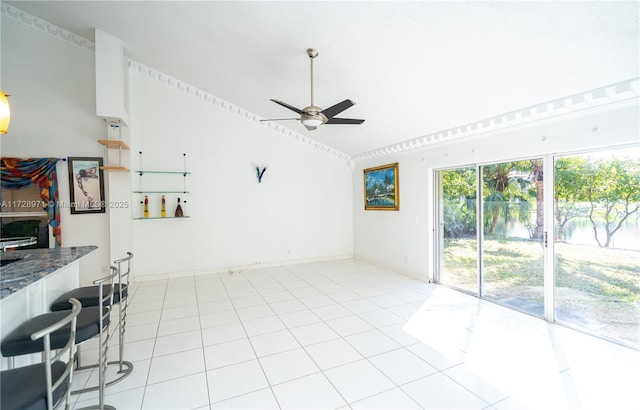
(600, 286)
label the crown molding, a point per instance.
(19, 16)
(141, 69)
(607, 98)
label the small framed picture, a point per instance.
(381, 190)
(86, 185)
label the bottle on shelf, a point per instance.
(145, 212)
(179, 212)
(163, 211)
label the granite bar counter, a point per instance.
(30, 280)
(21, 268)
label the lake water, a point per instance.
(580, 231)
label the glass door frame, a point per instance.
(548, 161)
(438, 231)
(480, 228)
(548, 170)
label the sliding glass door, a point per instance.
(597, 243)
(495, 241)
(513, 228)
(458, 254)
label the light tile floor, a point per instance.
(346, 334)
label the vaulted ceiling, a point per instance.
(413, 68)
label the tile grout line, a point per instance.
(249, 340)
(169, 354)
(322, 320)
(144, 392)
(312, 359)
(204, 358)
(365, 358)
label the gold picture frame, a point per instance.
(381, 188)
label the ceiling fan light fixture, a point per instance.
(312, 120)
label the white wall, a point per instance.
(302, 210)
(403, 240)
(52, 101)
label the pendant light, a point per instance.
(5, 113)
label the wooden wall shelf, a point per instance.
(114, 144)
(116, 169)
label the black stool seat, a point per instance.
(19, 341)
(44, 385)
(88, 296)
(26, 387)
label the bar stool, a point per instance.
(43, 385)
(91, 321)
(89, 296)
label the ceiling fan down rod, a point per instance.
(312, 53)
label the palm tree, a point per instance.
(507, 195)
(537, 174)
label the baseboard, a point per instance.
(238, 268)
(396, 269)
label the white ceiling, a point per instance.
(413, 68)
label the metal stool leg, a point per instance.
(122, 309)
(103, 342)
(121, 329)
(124, 367)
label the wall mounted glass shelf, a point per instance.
(160, 192)
(161, 217)
(163, 172)
(161, 181)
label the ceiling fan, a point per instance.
(312, 116)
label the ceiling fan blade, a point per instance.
(337, 109)
(310, 128)
(344, 121)
(285, 105)
(280, 119)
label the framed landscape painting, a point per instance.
(381, 190)
(86, 185)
